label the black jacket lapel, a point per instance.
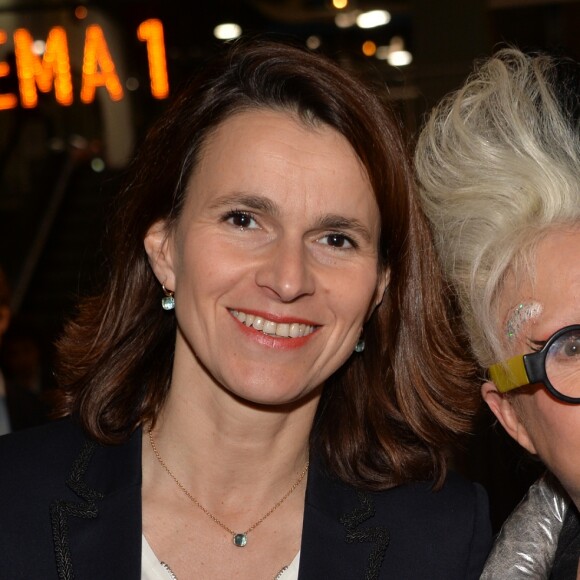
(97, 528)
(339, 540)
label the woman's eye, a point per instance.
(572, 347)
(241, 219)
(566, 347)
(338, 241)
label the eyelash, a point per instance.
(349, 240)
(237, 213)
(537, 345)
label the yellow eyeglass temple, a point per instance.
(510, 374)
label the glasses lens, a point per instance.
(563, 364)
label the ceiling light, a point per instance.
(399, 58)
(369, 48)
(97, 165)
(395, 53)
(313, 42)
(38, 47)
(227, 31)
(346, 19)
(81, 12)
(373, 19)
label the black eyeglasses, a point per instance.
(556, 366)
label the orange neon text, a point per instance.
(52, 70)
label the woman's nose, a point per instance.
(286, 271)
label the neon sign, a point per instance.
(52, 69)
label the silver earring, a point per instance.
(168, 301)
(360, 345)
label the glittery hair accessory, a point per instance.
(521, 315)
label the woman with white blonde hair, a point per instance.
(498, 165)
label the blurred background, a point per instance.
(80, 83)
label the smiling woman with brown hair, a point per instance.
(267, 385)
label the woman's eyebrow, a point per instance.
(255, 202)
(339, 222)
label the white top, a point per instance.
(152, 569)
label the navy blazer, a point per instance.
(70, 508)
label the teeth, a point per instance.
(269, 327)
(283, 329)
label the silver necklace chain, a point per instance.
(239, 538)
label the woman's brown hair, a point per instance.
(385, 417)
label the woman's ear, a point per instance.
(158, 246)
(384, 279)
(509, 417)
(382, 285)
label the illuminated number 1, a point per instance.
(151, 32)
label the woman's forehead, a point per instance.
(267, 145)
(546, 294)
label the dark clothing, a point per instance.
(25, 408)
(568, 551)
(72, 508)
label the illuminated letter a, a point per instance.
(98, 67)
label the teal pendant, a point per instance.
(240, 540)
